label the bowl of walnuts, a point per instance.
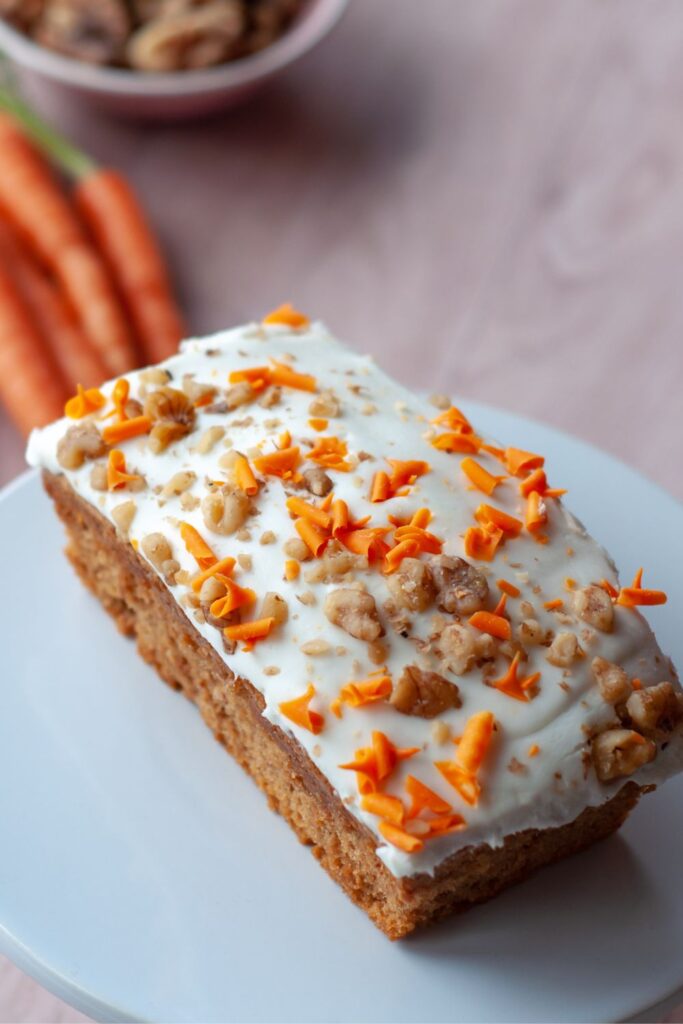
(162, 59)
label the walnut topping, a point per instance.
(239, 394)
(179, 483)
(316, 480)
(157, 549)
(295, 548)
(355, 612)
(174, 417)
(123, 516)
(270, 397)
(412, 585)
(613, 683)
(195, 391)
(82, 441)
(98, 477)
(274, 606)
(326, 405)
(225, 509)
(655, 710)
(441, 731)
(211, 590)
(461, 589)
(530, 633)
(209, 438)
(188, 502)
(154, 376)
(315, 648)
(564, 650)
(424, 694)
(440, 401)
(594, 606)
(456, 647)
(619, 752)
(267, 537)
(335, 563)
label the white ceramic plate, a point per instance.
(142, 876)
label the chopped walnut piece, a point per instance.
(295, 548)
(424, 694)
(174, 417)
(613, 683)
(196, 391)
(209, 439)
(98, 477)
(440, 401)
(378, 652)
(564, 650)
(326, 405)
(334, 563)
(274, 606)
(315, 648)
(619, 752)
(179, 483)
(594, 606)
(460, 588)
(211, 590)
(530, 632)
(188, 502)
(412, 585)
(154, 376)
(239, 394)
(157, 549)
(398, 618)
(441, 731)
(82, 441)
(655, 710)
(456, 647)
(225, 509)
(355, 612)
(123, 516)
(316, 480)
(270, 397)
(267, 537)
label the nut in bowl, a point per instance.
(161, 59)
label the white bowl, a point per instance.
(180, 94)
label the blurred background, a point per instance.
(485, 194)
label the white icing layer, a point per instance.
(546, 790)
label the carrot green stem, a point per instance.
(70, 159)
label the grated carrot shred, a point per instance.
(611, 590)
(298, 711)
(126, 429)
(366, 691)
(534, 750)
(400, 838)
(250, 632)
(223, 567)
(394, 557)
(635, 595)
(380, 489)
(340, 517)
(480, 477)
(318, 516)
(508, 524)
(318, 424)
(257, 376)
(330, 452)
(551, 606)
(288, 315)
(482, 543)
(518, 461)
(444, 825)
(511, 685)
(368, 541)
(424, 799)
(457, 441)
(292, 569)
(282, 462)
(117, 475)
(197, 546)
(313, 537)
(454, 419)
(85, 401)
(426, 541)
(536, 514)
(284, 376)
(508, 588)
(235, 597)
(390, 808)
(491, 623)
(406, 472)
(244, 476)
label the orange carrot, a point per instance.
(46, 221)
(30, 383)
(76, 358)
(119, 227)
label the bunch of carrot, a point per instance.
(84, 292)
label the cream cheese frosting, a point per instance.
(537, 772)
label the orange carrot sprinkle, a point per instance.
(635, 595)
(405, 472)
(480, 477)
(637, 684)
(519, 461)
(508, 524)
(368, 541)
(425, 540)
(288, 315)
(318, 516)
(244, 477)
(119, 397)
(313, 536)
(500, 607)
(400, 838)
(482, 543)
(534, 750)
(556, 602)
(446, 824)
(387, 755)
(298, 711)
(454, 419)
(611, 590)
(235, 597)
(380, 489)
(489, 622)
(250, 632)
(257, 376)
(424, 798)
(508, 588)
(117, 476)
(340, 517)
(318, 424)
(394, 557)
(285, 377)
(282, 462)
(85, 401)
(224, 567)
(388, 807)
(197, 546)
(292, 569)
(366, 691)
(126, 429)
(457, 441)
(536, 515)
(475, 741)
(511, 685)
(330, 452)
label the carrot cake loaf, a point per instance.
(392, 622)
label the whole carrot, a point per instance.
(77, 360)
(111, 210)
(47, 222)
(30, 384)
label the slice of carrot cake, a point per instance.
(392, 622)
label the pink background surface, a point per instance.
(486, 195)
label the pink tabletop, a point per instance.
(486, 196)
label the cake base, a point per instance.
(143, 608)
